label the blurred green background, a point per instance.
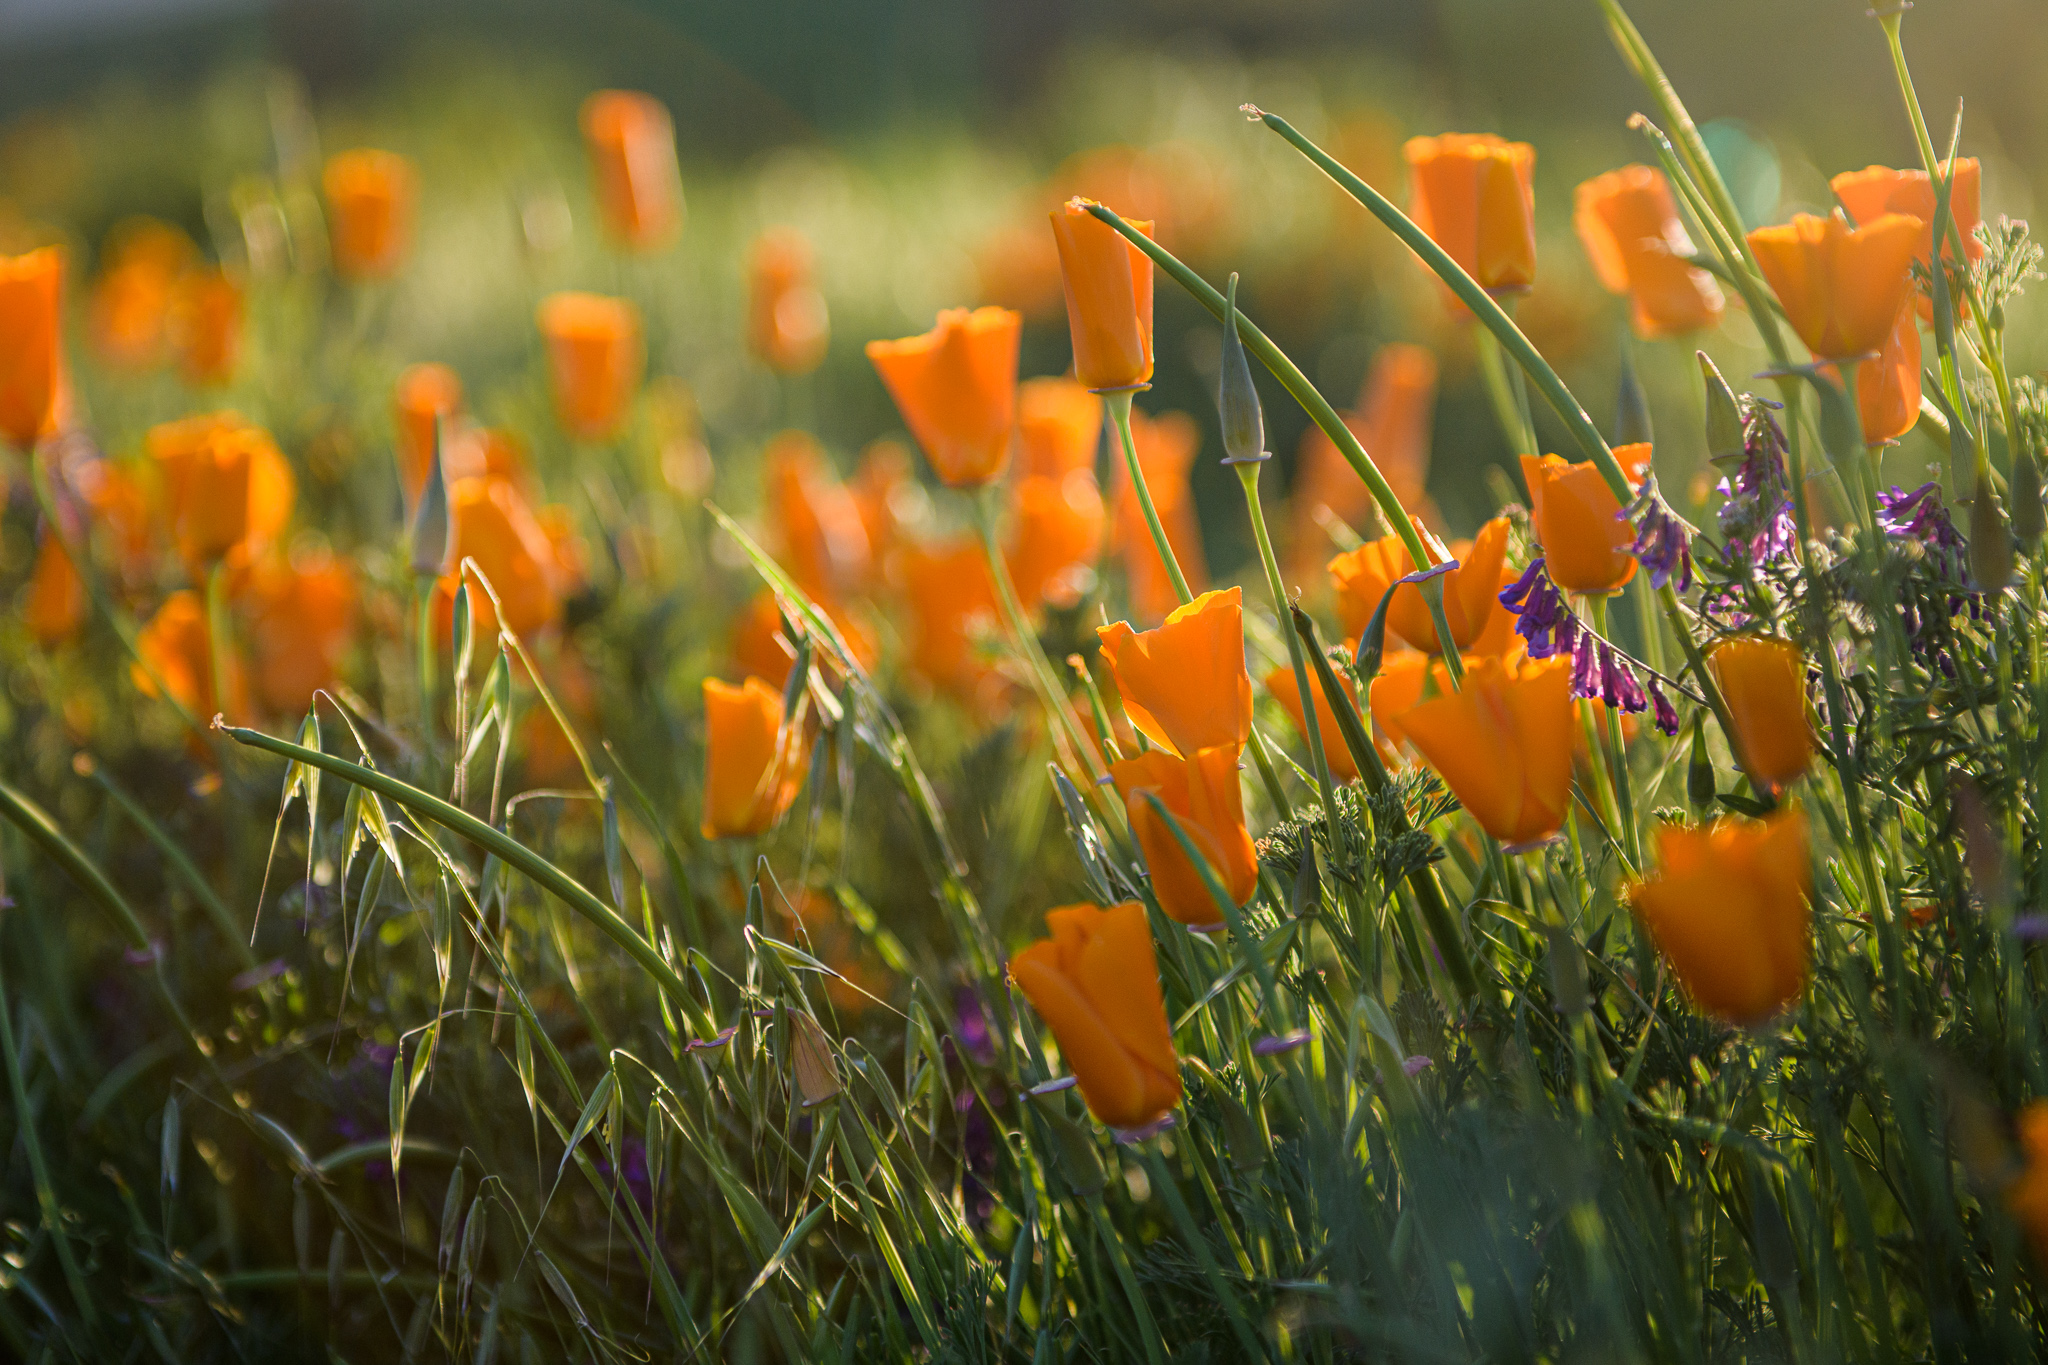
(905, 137)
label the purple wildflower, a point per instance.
(1919, 515)
(976, 1037)
(1663, 542)
(1543, 617)
(1416, 1065)
(1273, 1046)
(1757, 517)
(1667, 714)
(1599, 670)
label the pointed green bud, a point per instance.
(1990, 539)
(1372, 641)
(2029, 517)
(1724, 417)
(1699, 773)
(1237, 398)
(1631, 405)
(430, 518)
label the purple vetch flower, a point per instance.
(1542, 616)
(1757, 517)
(1667, 714)
(1128, 1137)
(975, 1034)
(1416, 1065)
(1273, 1045)
(1920, 515)
(717, 1040)
(633, 1165)
(1599, 670)
(2031, 928)
(257, 975)
(1663, 542)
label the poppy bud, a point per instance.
(1237, 398)
(1109, 299)
(1631, 407)
(430, 519)
(1990, 540)
(2024, 490)
(1699, 773)
(1724, 418)
(31, 347)
(594, 361)
(754, 760)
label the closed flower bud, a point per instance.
(1095, 982)
(2024, 491)
(425, 404)
(1109, 298)
(1237, 398)
(1474, 195)
(594, 361)
(1991, 556)
(1764, 682)
(1699, 771)
(430, 521)
(1629, 225)
(631, 143)
(1587, 542)
(1724, 418)
(369, 212)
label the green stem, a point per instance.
(1312, 728)
(219, 635)
(1119, 404)
(1510, 407)
(1617, 756)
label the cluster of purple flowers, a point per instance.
(1919, 516)
(1757, 517)
(1599, 671)
(1663, 539)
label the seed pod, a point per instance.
(1724, 418)
(1631, 406)
(1237, 398)
(2029, 517)
(1990, 539)
(1699, 772)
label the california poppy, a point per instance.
(1166, 446)
(1108, 286)
(1395, 411)
(2027, 1194)
(1055, 537)
(177, 644)
(1587, 543)
(884, 494)
(206, 327)
(1280, 686)
(1728, 910)
(426, 400)
(301, 617)
(1875, 191)
(228, 491)
(1095, 982)
(1764, 682)
(823, 541)
(129, 308)
(31, 344)
(1203, 794)
(1841, 287)
(788, 326)
(53, 605)
(754, 762)
(760, 646)
(1184, 683)
(1059, 426)
(492, 524)
(1629, 225)
(594, 360)
(1888, 384)
(369, 212)
(1502, 742)
(1474, 195)
(632, 146)
(952, 601)
(1471, 591)
(956, 387)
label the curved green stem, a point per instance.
(1312, 728)
(1119, 405)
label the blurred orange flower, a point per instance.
(53, 605)
(824, 542)
(594, 361)
(2027, 1194)
(1108, 286)
(1056, 535)
(1728, 910)
(427, 396)
(129, 309)
(1586, 541)
(956, 387)
(951, 601)
(1019, 267)
(788, 326)
(206, 327)
(31, 344)
(1471, 591)
(1059, 426)
(1841, 287)
(1184, 684)
(1280, 686)
(760, 647)
(228, 492)
(1888, 384)
(1166, 446)
(1396, 408)
(632, 146)
(1095, 982)
(1473, 194)
(1629, 225)
(178, 646)
(1203, 794)
(301, 617)
(492, 524)
(369, 212)
(1764, 682)
(754, 764)
(880, 487)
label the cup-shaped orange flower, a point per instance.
(631, 142)
(594, 361)
(1095, 982)
(1764, 682)
(427, 397)
(1841, 287)
(1184, 683)
(1586, 540)
(370, 196)
(952, 602)
(1166, 446)
(31, 344)
(1059, 426)
(53, 605)
(822, 539)
(1203, 794)
(228, 491)
(128, 312)
(1108, 285)
(956, 387)
(301, 620)
(1874, 191)
(1280, 684)
(1502, 742)
(1629, 225)
(754, 762)
(178, 646)
(1056, 534)
(1728, 910)
(1395, 411)
(1475, 196)
(206, 327)
(2027, 1195)
(1888, 384)
(1471, 591)
(492, 523)
(788, 325)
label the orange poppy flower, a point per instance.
(1629, 225)
(632, 146)
(824, 543)
(490, 522)
(122, 506)
(2027, 1195)
(1019, 267)
(1586, 541)
(1184, 683)
(1055, 538)
(129, 310)
(1874, 191)
(1764, 682)
(228, 491)
(1395, 411)
(788, 326)
(1502, 742)
(301, 620)
(1336, 753)
(952, 601)
(594, 360)
(427, 397)
(1166, 447)
(759, 646)
(1474, 196)
(53, 606)
(882, 488)
(1095, 982)
(1888, 384)
(1841, 287)
(1203, 794)
(1108, 286)
(956, 387)
(1471, 591)
(1728, 909)
(178, 646)
(31, 344)
(206, 327)
(754, 763)
(1059, 426)
(369, 212)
